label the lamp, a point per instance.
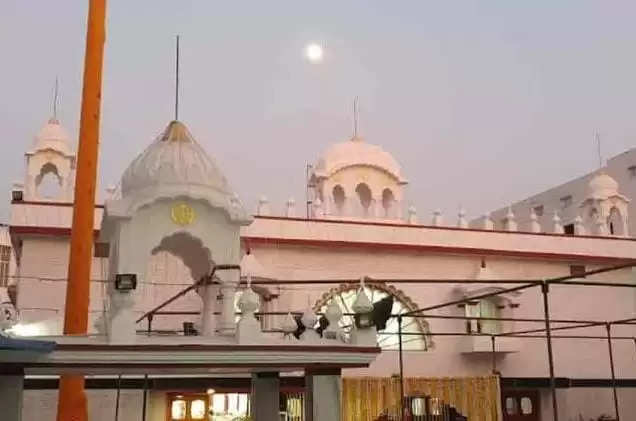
(125, 281)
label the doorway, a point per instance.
(520, 405)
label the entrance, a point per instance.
(520, 405)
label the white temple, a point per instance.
(175, 224)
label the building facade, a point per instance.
(357, 229)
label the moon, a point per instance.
(314, 52)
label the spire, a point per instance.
(176, 84)
(55, 98)
(356, 113)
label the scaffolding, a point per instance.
(545, 332)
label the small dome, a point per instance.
(174, 158)
(602, 186)
(356, 152)
(53, 137)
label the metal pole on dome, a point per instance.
(176, 83)
(72, 399)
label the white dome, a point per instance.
(356, 152)
(602, 186)
(173, 158)
(176, 165)
(53, 137)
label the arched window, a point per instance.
(387, 339)
(615, 222)
(388, 202)
(338, 198)
(364, 194)
(48, 182)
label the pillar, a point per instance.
(208, 296)
(265, 396)
(323, 389)
(11, 388)
(228, 313)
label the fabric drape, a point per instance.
(366, 398)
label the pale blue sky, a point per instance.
(482, 102)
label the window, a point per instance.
(526, 406)
(345, 297)
(538, 210)
(5, 258)
(338, 197)
(632, 171)
(483, 308)
(388, 201)
(364, 194)
(229, 405)
(566, 201)
(102, 250)
(178, 409)
(577, 270)
(568, 229)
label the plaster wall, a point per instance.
(572, 358)
(43, 279)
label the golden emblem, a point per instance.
(182, 214)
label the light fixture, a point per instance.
(125, 281)
(210, 391)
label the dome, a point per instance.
(602, 186)
(174, 158)
(356, 152)
(173, 166)
(53, 137)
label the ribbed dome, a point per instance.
(602, 186)
(53, 137)
(174, 158)
(356, 152)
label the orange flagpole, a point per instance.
(72, 400)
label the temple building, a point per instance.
(176, 226)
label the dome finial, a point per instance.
(176, 83)
(54, 119)
(356, 112)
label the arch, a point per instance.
(338, 194)
(615, 222)
(345, 296)
(388, 202)
(48, 183)
(364, 195)
(190, 250)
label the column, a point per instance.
(228, 312)
(229, 282)
(11, 388)
(208, 296)
(323, 389)
(265, 396)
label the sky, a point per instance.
(482, 102)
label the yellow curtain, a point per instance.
(365, 398)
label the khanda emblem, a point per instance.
(182, 214)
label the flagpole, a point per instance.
(72, 399)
